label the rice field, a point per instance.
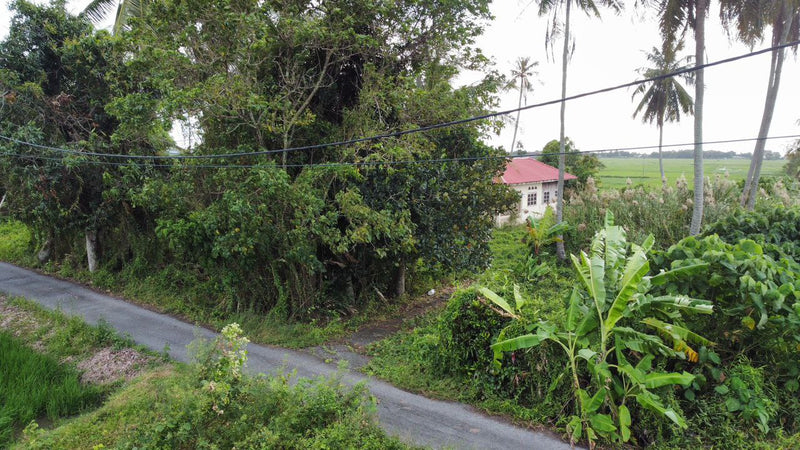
(644, 171)
(33, 385)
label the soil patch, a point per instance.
(108, 365)
(101, 366)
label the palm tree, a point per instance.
(664, 99)
(553, 8)
(750, 18)
(98, 10)
(675, 17)
(521, 76)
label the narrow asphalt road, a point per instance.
(413, 418)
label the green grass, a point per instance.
(645, 170)
(15, 240)
(33, 385)
(172, 408)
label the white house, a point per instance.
(537, 185)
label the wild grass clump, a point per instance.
(34, 386)
(663, 212)
(213, 404)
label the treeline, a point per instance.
(287, 231)
(689, 153)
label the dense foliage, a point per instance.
(582, 165)
(295, 232)
(737, 384)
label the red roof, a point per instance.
(529, 170)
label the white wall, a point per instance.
(522, 210)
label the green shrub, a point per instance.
(776, 229)
(222, 408)
(757, 300)
(467, 329)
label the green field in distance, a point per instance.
(616, 172)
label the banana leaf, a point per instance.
(659, 379)
(635, 269)
(663, 277)
(497, 300)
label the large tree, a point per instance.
(56, 70)
(521, 79)
(560, 27)
(306, 228)
(665, 99)
(676, 16)
(749, 18)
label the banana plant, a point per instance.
(613, 293)
(544, 231)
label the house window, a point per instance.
(531, 199)
(546, 197)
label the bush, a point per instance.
(777, 229)
(467, 328)
(214, 405)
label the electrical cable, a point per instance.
(382, 163)
(419, 129)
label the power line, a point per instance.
(419, 129)
(382, 163)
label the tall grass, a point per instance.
(663, 212)
(33, 385)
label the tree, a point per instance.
(675, 17)
(98, 10)
(582, 165)
(553, 8)
(665, 99)
(328, 226)
(57, 68)
(521, 76)
(750, 17)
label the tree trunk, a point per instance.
(43, 255)
(776, 65)
(3, 200)
(660, 158)
(400, 281)
(560, 252)
(699, 91)
(91, 249)
(516, 123)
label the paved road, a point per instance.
(413, 418)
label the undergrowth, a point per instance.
(212, 404)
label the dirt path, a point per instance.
(411, 417)
(353, 348)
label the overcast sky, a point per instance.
(607, 53)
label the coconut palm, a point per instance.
(521, 75)
(98, 10)
(553, 9)
(675, 17)
(664, 99)
(750, 18)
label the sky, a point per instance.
(608, 52)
